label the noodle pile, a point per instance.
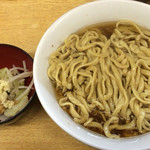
(105, 81)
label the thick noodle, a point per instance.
(105, 82)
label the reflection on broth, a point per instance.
(102, 78)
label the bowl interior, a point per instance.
(9, 56)
(72, 21)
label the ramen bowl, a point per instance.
(77, 18)
(13, 57)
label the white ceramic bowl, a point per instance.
(84, 15)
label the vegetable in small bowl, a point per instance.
(16, 82)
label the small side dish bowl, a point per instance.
(82, 16)
(12, 56)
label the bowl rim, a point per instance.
(31, 98)
(52, 116)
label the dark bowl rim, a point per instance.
(31, 98)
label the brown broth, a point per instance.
(105, 27)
